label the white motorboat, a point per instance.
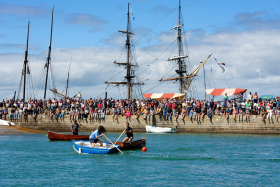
(6, 123)
(154, 129)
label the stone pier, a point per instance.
(219, 124)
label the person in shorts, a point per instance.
(99, 133)
(129, 133)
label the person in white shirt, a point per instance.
(20, 111)
(250, 97)
(269, 114)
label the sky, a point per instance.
(245, 35)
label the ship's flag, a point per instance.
(222, 66)
(132, 14)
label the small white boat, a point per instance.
(85, 147)
(6, 123)
(154, 129)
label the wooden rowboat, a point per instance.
(137, 144)
(59, 136)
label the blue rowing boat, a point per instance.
(84, 146)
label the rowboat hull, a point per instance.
(153, 129)
(6, 123)
(137, 144)
(59, 136)
(84, 148)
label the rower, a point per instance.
(99, 133)
(75, 128)
(129, 133)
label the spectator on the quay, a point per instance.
(127, 114)
(227, 113)
(1, 113)
(240, 114)
(62, 113)
(57, 113)
(210, 114)
(256, 97)
(184, 112)
(225, 100)
(250, 97)
(145, 113)
(35, 113)
(5, 113)
(263, 113)
(25, 116)
(234, 114)
(169, 113)
(12, 114)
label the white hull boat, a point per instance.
(6, 123)
(154, 129)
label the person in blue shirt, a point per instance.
(5, 113)
(227, 113)
(99, 133)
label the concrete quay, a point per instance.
(219, 124)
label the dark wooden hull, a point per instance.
(137, 144)
(59, 136)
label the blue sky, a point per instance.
(238, 33)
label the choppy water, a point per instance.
(171, 160)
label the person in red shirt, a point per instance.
(198, 104)
(174, 107)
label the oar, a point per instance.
(120, 136)
(113, 144)
(86, 128)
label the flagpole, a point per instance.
(204, 83)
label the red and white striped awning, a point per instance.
(223, 91)
(164, 95)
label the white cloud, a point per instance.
(23, 10)
(250, 57)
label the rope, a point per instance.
(92, 50)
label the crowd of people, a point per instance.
(96, 109)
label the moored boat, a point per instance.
(6, 123)
(154, 129)
(85, 147)
(59, 136)
(137, 144)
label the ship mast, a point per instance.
(25, 69)
(68, 78)
(128, 65)
(49, 58)
(25, 64)
(180, 58)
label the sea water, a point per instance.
(177, 159)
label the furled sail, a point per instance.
(194, 73)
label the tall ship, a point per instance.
(133, 84)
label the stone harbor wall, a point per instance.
(219, 124)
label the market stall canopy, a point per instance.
(164, 95)
(223, 91)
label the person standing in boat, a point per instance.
(99, 133)
(129, 133)
(75, 128)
